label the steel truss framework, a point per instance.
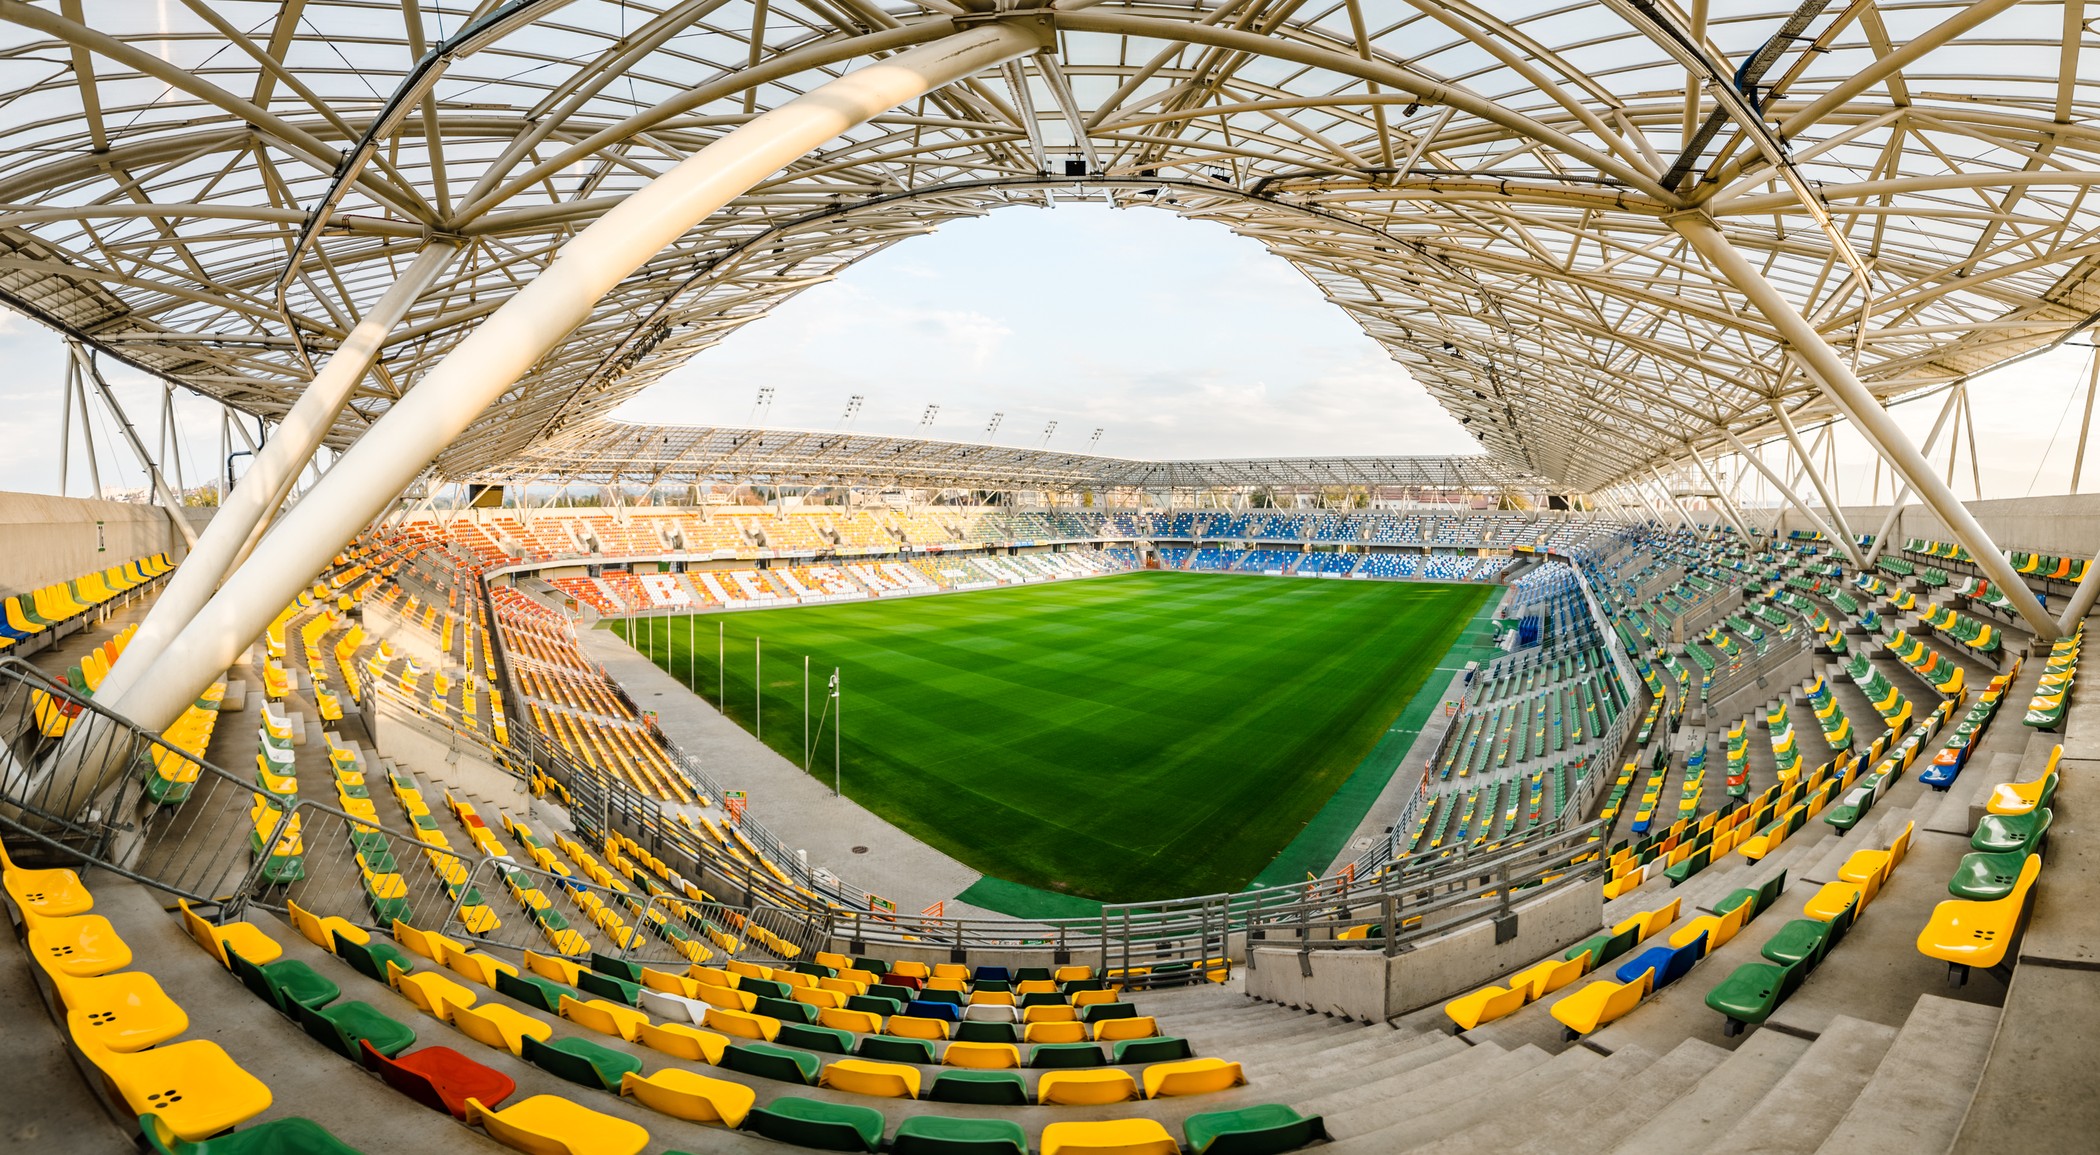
(218, 190)
(597, 452)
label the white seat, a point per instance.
(676, 1008)
(990, 1013)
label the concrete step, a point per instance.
(50, 1104)
(1347, 1062)
(1798, 1113)
(1428, 1115)
(1600, 1122)
(1916, 1097)
(1544, 1111)
(1458, 1064)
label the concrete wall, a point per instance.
(45, 539)
(1368, 986)
(2058, 524)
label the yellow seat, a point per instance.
(1112, 1030)
(1976, 934)
(1875, 866)
(911, 970)
(194, 1088)
(1601, 1002)
(1112, 1137)
(551, 1125)
(940, 970)
(914, 1027)
(820, 999)
(1718, 928)
(496, 1025)
(433, 993)
(682, 1094)
(126, 1011)
(1036, 987)
(1087, 1087)
(1831, 900)
(682, 1041)
(666, 982)
(983, 1056)
(1092, 998)
(742, 1024)
(246, 939)
(559, 970)
(747, 970)
(321, 930)
(479, 968)
(83, 945)
(1058, 1013)
(1486, 1005)
(430, 944)
(2021, 797)
(725, 998)
(603, 1016)
(1542, 979)
(940, 984)
(867, 1077)
(1072, 974)
(993, 998)
(1192, 1077)
(51, 893)
(834, 960)
(1648, 922)
(1054, 1033)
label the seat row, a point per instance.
(25, 615)
(1991, 884)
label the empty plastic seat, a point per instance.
(934, 1135)
(1665, 964)
(125, 1011)
(552, 1125)
(1486, 1005)
(603, 1016)
(1965, 934)
(1191, 1077)
(194, 1088)
(342, 1025)
(1090, 1088)
(1158, 1049)
(1750, 994)
(49, 893)
(867, 1077)
(1258, 1130)
(682, 1041)
(1142, 1027)
(496, 1025)
(276, 1137)
(890, 1049)
(684, 1094)
(1065, 1056)
(580, 1061)
(824, 1126)
(1109, 1137)
(441, 1078)
(770, 1062)
(254, 945)
(431, 991)
(1600, 1003)
(284, 982)
(81, 944)
(982, 1056)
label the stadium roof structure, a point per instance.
(1550, 212)
(615, 453)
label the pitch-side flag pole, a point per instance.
(758, 688)
(805, 713)
(722, 667)
(837, 715)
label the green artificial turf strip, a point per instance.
(1125, 738)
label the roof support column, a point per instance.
(1785, 490)
(270, 475)
(1677, 505)
(1866, 414)
(1888, 520)
(2082, 598)
(1844, 537)
(1727, 506)
(505, 346)
(156, 483)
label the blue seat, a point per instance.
(946, 1012)
(1670, 963)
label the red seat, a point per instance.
(897, 980)
(441, 1078)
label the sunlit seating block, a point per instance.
(1111, 1137)
(1486, 1005)
(496, 1025)
(603, 1016)
(1965, 934)
(688, 1095)
(1192, 1077)
(552, 1125)
(867, 1077)
(194, 1088)
(1599, 1003)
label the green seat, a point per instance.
(970, 1031)
(987, 1088)
(370, 958)
(952, 998)
(874, 966)
(1986, 877)
(341, 1026)
(1693, 863)
(934, 1135)
(284, 982)
(991, 985)
(894, 1050)
(1160, 1049)
(823, 1126)
(770, 1062)
(1750, 994)
(786, 1010)
(532, 990)
(275, 1137)
(2003, 833)
(875, 1005)
(1032, 975)
(764, 988)
(580, 1061)
(1260, 1130)
(1074, 986)
(829, 1040)
(1044, 999)
(1602, 948)
(607, 987)
(1807, 939)
(1064, 1056)
(618, 968)
(1762, 896)
(1102, 1011)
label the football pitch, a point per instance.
(1124, 738)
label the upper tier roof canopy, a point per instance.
(214, 190)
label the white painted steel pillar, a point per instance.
(1845, 540)
(1785, 490)
(1727, 507)
(511, 340)
(270, 474)
(1866, 414)
(1888, 521)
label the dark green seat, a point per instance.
(618, 968)
(607, 987)
(1261, 1130)
(874, 1006)
(786, 1010)
(376, 861)
(1160, 1049)
(533, 990)
(1602, 948)
(815, 970)
(341, 1026)
(764, 988)
(1986, 877)
(1807, 939)
(829, 1040)
(1100, 1011)
(580, 1061)
(888, 1049)
(284, 982)
(370, 958)
(991, 985)
(1763, 895)
(276, 1137)
(1750, 994)
(1044, 999)
(874, 966)
(823, 1126)
(1032, 975)
(1074, 986)
(901, 995)
(2003, 833)
(1693, 863)
(971, 1031)
(781, 1064)
(986, 1088)
(1064, 1056)
(934, 1135)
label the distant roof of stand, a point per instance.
(611, 452)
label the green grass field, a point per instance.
(1141, 736)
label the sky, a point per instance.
(1176, 338)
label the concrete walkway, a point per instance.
(838, 834)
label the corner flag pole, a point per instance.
(805, 713)
(838, 706)
(758, 688)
